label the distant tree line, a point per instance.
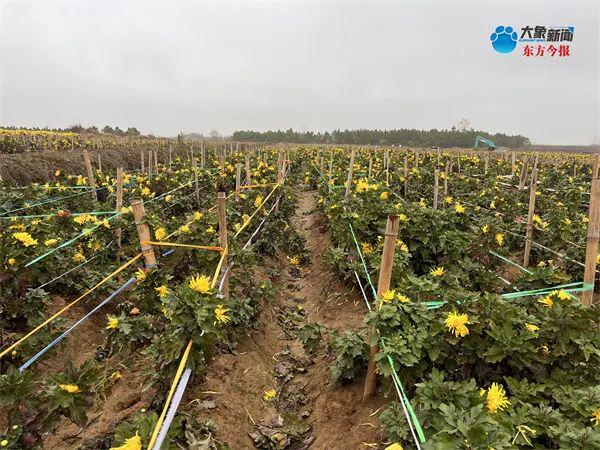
(453, 137)
(78, 128)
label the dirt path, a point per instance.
(309, 412)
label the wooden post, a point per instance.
(486, 163)
(523, 177)
(248, 173)
(155, 160)
(513, 158)
(196, 188)
(436, 176)
(350, 172)
(330, 170)
(537, 158)
(530, 213)
(383, 284)
(202, 155)
(90, 173)
(321, 164)
(595, 167)
(99, 163)
(222, 207)
(143, 233)
(118, 208)
(370, 166)
(238, 180)
(417, 159)
(143, 168)
(591, 250)
(149, 164)
(170, 157)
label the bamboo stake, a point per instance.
(350, 172)
(90, 173)
(202, 155)
(486, 163)
(370, 166)
(222, 208)
(118, 207)
(330, 168)
(170, 157)
(595, 167)
(513, 158)
(383, 285)
(523, 176)
(156, 160)
(530, 213)
(591, 249)
(248, 173)
(143, 233)
(99, 163)
(143, 168)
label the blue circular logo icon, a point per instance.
(504, 39)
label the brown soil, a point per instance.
(119, 403)
(24, 168)
(337, 416)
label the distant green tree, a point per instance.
(108, 130)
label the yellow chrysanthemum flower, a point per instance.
(563, 295)
(258, 201)
(269, 395)
(384, 195)
(221, 314)
(184, 228)
(437, 272)
(596, 417)
(366, 248)
(140, 275)
(294, 261)
(162, 291)
(362, 185)
(499, 238)
(113, 322)
(132, 443)
(496, 398)
(402, 298)
(388, 296)
(25, 238)
(459, 208)
(547, 301)
(531, 327)
(78, 257)
(11, 261)
(160, 234)
(50, 242)
(457, 323)
(485, 229)
(116, 375)
(200, 284)
(70, 388)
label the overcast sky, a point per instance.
(193, 66)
